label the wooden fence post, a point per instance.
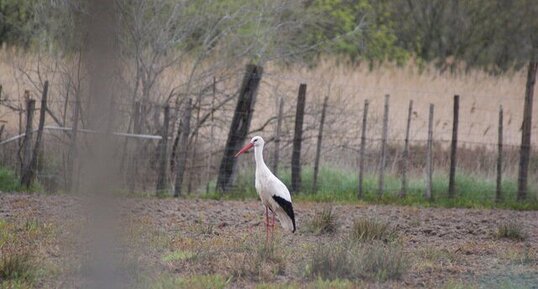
(318, 148)
(383, 159)
(405, 159)
(429, 157)
(498, 191)
(297, 140)
(27, 142)
(453, 148)
(28, 177)
(362, 149)
(526, 129)
(183, 148)
(240, 125)
(163, 153)
(276, 153)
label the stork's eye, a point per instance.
(255, 140)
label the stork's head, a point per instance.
(256, 141)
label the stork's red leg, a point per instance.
(266, 224)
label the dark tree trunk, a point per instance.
(240, 125)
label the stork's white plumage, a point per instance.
(273, 193)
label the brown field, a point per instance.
(211, 244)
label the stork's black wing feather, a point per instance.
(288, 208)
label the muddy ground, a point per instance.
(170, 238)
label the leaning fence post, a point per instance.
(161, 181)
(405, 159)
(498, 191)
(429, 157)
(27, 142)
(318, 148)
(297, 140)
(183, 143)
(453, 148)
(383, 147)
(363, 146)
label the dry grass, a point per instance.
(325, 221)
(368, 230)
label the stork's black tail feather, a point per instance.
(287, 207)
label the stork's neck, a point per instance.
(258, 156)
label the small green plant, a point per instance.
(15, 266)
(324, 222)
(511, 230)
(368, 230)
(179, 256)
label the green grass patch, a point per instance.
(337, 185)
(9, 182)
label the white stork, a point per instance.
(273, 193)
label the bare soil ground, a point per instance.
(170, 238)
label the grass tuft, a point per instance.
(261, 260)
(511, 230)
(368, 230)
(352, 260)
(324, 221)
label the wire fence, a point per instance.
(139, 142)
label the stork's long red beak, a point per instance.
(244, 149)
